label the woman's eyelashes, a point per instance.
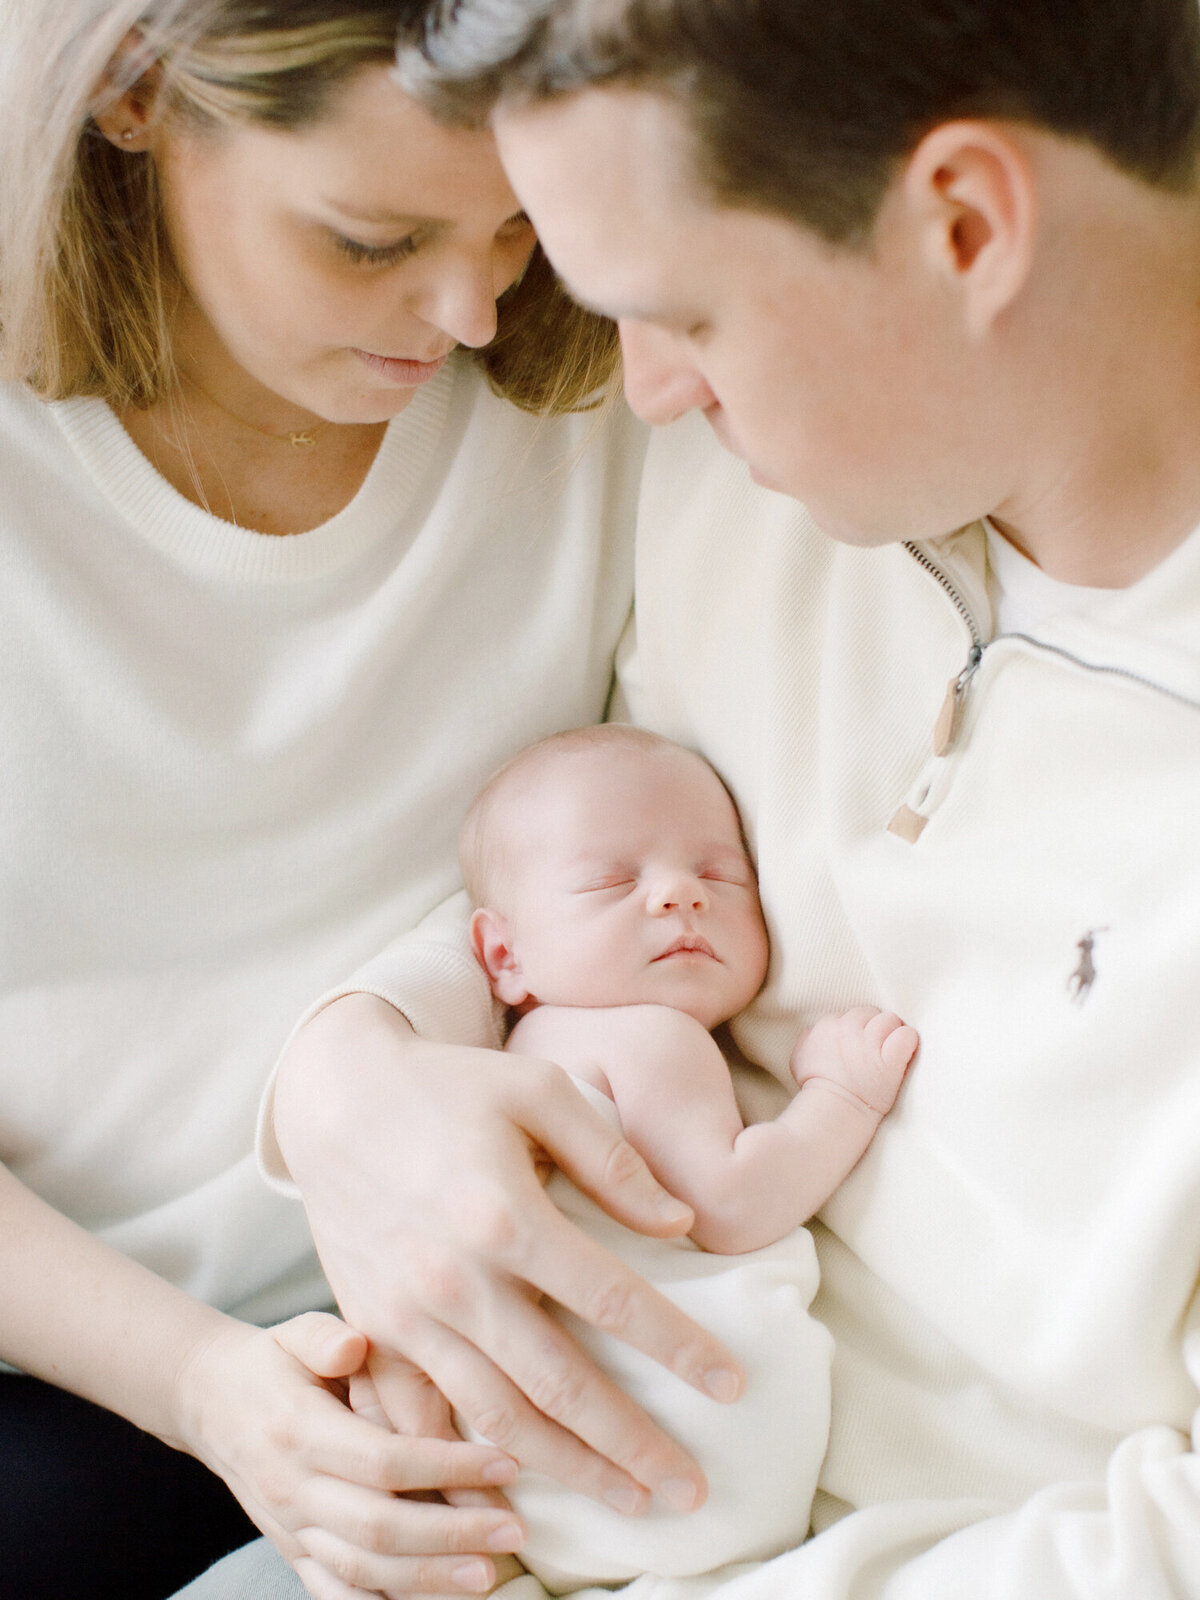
(387, 255)
(377, 255)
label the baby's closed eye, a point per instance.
(609, 883)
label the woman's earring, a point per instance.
(126, 134)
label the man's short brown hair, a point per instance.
(807, 108)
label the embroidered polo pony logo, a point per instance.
(1079, 984)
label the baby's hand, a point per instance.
(865, 1052)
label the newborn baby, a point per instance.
(618, 916)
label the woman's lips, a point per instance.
(405, 374)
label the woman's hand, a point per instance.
(267, 1410)
(421, 1167)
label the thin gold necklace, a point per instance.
(300, 439)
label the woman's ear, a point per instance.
(492, 944)
(124, 104)
(970, 187)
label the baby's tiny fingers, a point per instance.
(899, 1045)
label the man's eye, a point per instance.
(376, 255)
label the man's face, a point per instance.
(839, 375)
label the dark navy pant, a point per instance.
(91, 1508)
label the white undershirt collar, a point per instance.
(1023, 596)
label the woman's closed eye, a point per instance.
(377, 255)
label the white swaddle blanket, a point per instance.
(761, 1455)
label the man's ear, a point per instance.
(493, 949)
(971, 189)
(125, 101)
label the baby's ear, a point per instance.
(494, 952)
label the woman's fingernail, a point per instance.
(505, 1539)
(670, 1209)
(626, 1500)
(502, 1471)
(723, 1383)
(678, 1493)
(473, 1575)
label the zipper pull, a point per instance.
(946, 728)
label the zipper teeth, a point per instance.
(960, 605)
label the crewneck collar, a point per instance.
(196, 539)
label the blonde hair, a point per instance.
(483, 849)
(86, 274)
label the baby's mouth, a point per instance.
(690, 944)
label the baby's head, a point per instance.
(608, 868)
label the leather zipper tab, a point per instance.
(949, 720)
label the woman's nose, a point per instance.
(461, 301)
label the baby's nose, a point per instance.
(677, 893)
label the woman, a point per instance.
(286, 574)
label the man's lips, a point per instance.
(690, 945)
(716, 421)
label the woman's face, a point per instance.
(339, 265)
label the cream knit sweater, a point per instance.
(234, 765)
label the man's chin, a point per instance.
(849, 533)
(764, 479)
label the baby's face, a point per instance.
(633, 887)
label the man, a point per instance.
(933, 268)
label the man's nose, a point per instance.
(661, 384)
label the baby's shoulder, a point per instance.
(657, 1024)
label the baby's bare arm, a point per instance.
(849, 1069)
(671, 1086)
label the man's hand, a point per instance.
(422, 1167)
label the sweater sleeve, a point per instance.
(430, 975)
